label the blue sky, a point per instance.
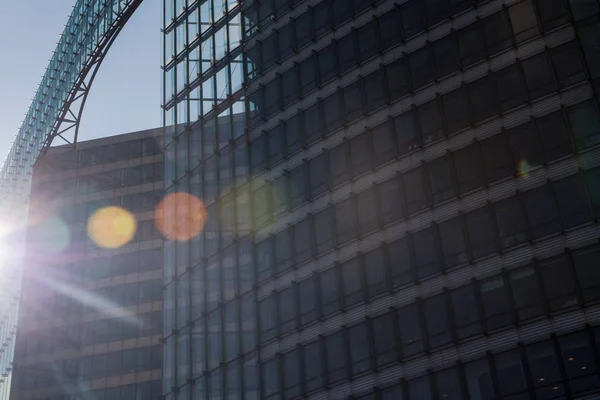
(126, 94)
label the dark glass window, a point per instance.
(308, 80)
(286, 304)
(572, 202)
(412, 18)
(384, 148)
(283, 250)
(446, 56)
(422, 69)
(425, 250)
(511, 90)
(286, 38)
(538, 75)
(496, 305)
(591, 178)
(512, 222)
(367, 211)
(264, 259)
(276, 145)
(452, 242)
(479, 380)
(339, 168)
(289, 86)
(359, 348)
(307, 292)
(260, 202)
(579, 363)
(390, 31)
(313, 366)
(323, 230)
(330, 292)
(323, 18)
(353, 107)
(525, 145)
(441, 179)
(415, 191)
(497, 157)
(430, 121)
(392, 203)
(497, 32)
(400, 259)
(436, 321)
(344, 222)
(554, 136)
(280, 194)
(385, 339)
(587, 265)
(268, 52)
(303, 29)
(581, 9)
(469, 168)
(293, 134)
(397, 79)
(419, 388)
(313, 123)
(375, 90)
(292, 376)
(326, 64)
(511, 375)
(302, 241)
(544, 370)
(558, 283)
(343, 11)
(409, 323)
(588, 35)
(392, 393)
(456, 109)
(347, 56)
(268, 319)
(298, 192)
(335, 354)
(406, 132)
(523, 20)
(360, 154)
(585, 124)
(448, 384)
(367, 41)
(375, 271)
(568, 67)
(352, 280)
(466, 312)
(526, 293)
(437, 11)
(332, 113)
(472, 44)
(317, 168)
(484, 99)
(482, 231)
(271, 95)
(552, 13)
(541, 212)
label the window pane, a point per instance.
(353, 107)
(541, 212)
(390, 31)
(497, 32)
(496, 305)
(384, 338)
(338, 165)
(572, 202)
(436, 321)
(406, 132)
(367, 41)
(511, 377)
(497, 158)
(544, 369)
(558, 283)
(538, 75)
(526, 293)
(376, 272)
(457, 109)
(523, 20)
(591, 178)
(587, 265)
(452, 242)
(330, 292)
(375, 93)
(512, 223)
(302, 241)
(554, 136)
(360, 154)
(446, 56)
(352, 282)
(313, 366)
(578, 362)
(479, 381)
(392, 202)
(484, 99)
(409, 323)
(552, 13)
(441, 179)
(511, 90)
(472, 44)
(307, 73)
(332, 112)
(568, 67)
(483, 235)
(415, 190)
(359, 348)
(420, 389)
(400, 262)
(585, 124)
(335, 352)
(448, 384)
(421, 67)
(397, 79)
(425, 250)
(298, 189)
(317, 169)
(307, 291)
(383, 143)
(344, 222)
(466, 312)
(430, 121)
(323, 230)
(412, 18)
(469, 168)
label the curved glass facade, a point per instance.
(397, 192)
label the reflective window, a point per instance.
(511, 375)
(367, 211)
(392, 202)
(538, 75)
(384, 338)
(376, 272)
(441, 179)
(323, 230)
(437, 321)
(360, 357)
(344, 222)
(541, 212)
(512, 92)
(512, 222)
(544, 370)
(496, 305)
(425, 250)
(399, 255)
(469, 169)
(415, 191)
(448, 384)
(307, 292)
(523, 20)
(352, 282)
(430, 121)
(375, 90)
(526, 293)
(397, 79)
(558, 282)
(466, 311)
(577, 358)
(384, 148)
(452, 242)
(335, 355)
(457, 109)
(482, 231)
(411, 336)
(587, 265)
(330, 291)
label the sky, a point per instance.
(126, 93)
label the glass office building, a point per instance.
(90, 317)
(402, 199)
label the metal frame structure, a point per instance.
(55, 111)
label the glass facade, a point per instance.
(91, 314)
(396, 194)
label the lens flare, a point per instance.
(50, 236)
(180, 216)
(111, 227)
(524, 168)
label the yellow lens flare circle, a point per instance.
(180, 216)
(111, 227)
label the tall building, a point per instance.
(409, 209)
(91, 302)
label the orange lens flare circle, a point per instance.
(111, 227)
(180, 216)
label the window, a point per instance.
(415, 191)
(572, 202)
(313, 123)
(260, 200)
(323, 18)
(302, 241)
(397, 80)
(258, 154)
(472, 44)
(367, 211)
(292, 375)
(392, 203)
(419, 389)
(409, 323)
(479, 380)
(541, 212)
(511, 90)
(367, 41)
(280, 194)
(497, 32)
(293, 134)
(268, 52)
(421, 67)
(482, 231)
(466, 311)
(523, 20)
(437, 11)
(526, 293)
(271, 97)
(538, 75)
(360, 154)
(332, 113)
(303, 29)
(591, 178)
(338, 164)
(452, 242)
(483, 98)
(581, 9)
(406, 132)
(289, 86)
(456, 109)
(558, 283)
(307, 292)
(544, 370)
(430, 121)
(385, 339)
(383, 143)
(497, 157)
(425, 250)
(390, 31)
(412, 18)
(286, 304)
(344, 222)
(512, 222)
(552, 13)
(360, 357)
(313, 365)
(264, 259)
(375, 271)
(495, 302)
(448, 384)
(330, 292)
(578, 360)
(283, 250)
(347, 56)
(568, 67)
(392, 393)
(525, 145)
(588, 36)
(510, 372)
(285, 38)
(586, 263)
(353, 102)
(469, 168)
(335, 351)
(446, 56)
(268, 318)
(352, 279)
(585, 124)
(323, 230)
(326, 63)
(318, 175)
(298, 192)
(399, 255)
(375, 90)
(307, 72)
(554, 136)
(437, 321)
